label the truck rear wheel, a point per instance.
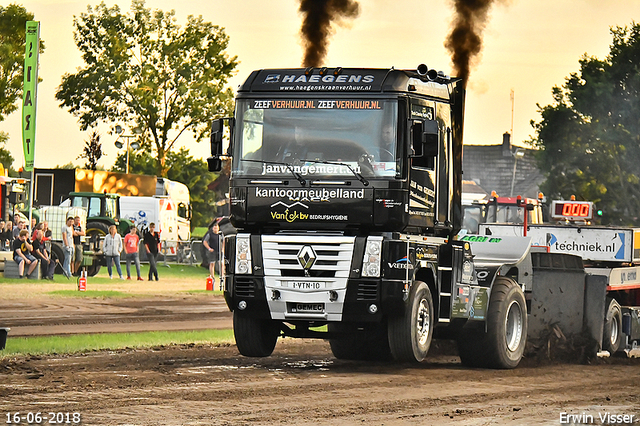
(502, 345)
(370, 344)
(255, 337)
(612, 335)
(410, 334)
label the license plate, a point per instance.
(309, 307)
(305, 285)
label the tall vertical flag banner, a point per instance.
(29, 91)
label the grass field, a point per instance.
(42, 345)
(173, 278)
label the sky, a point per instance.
(529, 46)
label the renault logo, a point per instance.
(306, 257)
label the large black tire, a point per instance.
(410, 334)
(255, 337)
(95, 233)
(370, 344)
(503, 343)
(612, 332)
(57, 255)
(94, 268)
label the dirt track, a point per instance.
(301, 384)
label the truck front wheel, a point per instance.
(255, 337)
(612, 336)
(410, 334)
(502, 345)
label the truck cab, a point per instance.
(345, 191)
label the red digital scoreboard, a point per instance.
(572, 210)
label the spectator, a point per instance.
(3, 240)
(131, 241)
(211, 243)
(112, 248)
(33, 231)
(47, 265)
(19, 227)
(77, 245)
(22, 253)
(7, 234)
(151, 241)
(67, 243)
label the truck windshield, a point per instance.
(311, 134)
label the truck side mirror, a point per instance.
(431, 138)
(425, 137)
(217, 129)
(417, 142)
(214, 164)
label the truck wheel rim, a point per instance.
(513, 326)
(614, 330)
(424, 322)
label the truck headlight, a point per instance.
(372, 257)
(243, 254)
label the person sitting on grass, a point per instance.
(22, 253)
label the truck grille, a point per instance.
(333, 255)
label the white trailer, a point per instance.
(159, 210)
(613, 253)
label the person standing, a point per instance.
(67, 245)
(151, 241)
(22, 253)
(77, 245)
(131, 241)
(112, 248)
(211, 243)
(47, 266)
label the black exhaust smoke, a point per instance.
(465, 40)
(316, 26)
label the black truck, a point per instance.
(345, 191)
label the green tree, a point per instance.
(13, 19)
(92, 151)
(589, 137)
(6, 159)
(184, 168)
(145, 71)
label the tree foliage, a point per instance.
(13, 20)
(92, 151)
(589, 137)
(6, 159)
(184, 168)
(146, 72)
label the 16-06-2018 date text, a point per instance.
(40, 418)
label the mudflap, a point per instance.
(566, 316)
